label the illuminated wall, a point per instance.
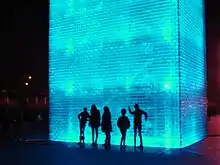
(121, 52)
(192, 71)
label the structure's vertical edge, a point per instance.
(49, 66)
(205, 63)
(178, 24)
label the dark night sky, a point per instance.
(25, 50)
(25, 41)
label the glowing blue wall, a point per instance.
(192, 71)
(118, 53)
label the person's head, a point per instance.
(85, 109)
(123, 112)
(93, 107)
(136, 106)
(106, 109)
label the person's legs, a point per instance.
(83, 132)
(97, 134)
(135, 134)
(125, 132)
(122, 137)
(106, 138)
(109, 138)
(80, 128)
(93, 131)
(80, 135)
(140, 134)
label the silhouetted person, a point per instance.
(107, 126)
(83, 118)
(95, 123)
(138, 122)
(123, 124)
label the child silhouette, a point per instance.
(123, 124)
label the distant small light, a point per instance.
(26, 84)
(30, 77)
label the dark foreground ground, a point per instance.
(206, 152)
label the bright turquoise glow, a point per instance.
(192, 71)
(121, 52)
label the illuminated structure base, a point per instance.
(117, 53)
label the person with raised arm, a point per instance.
(137, 113)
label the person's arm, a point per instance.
(130, 111)
(118, 123)
(88, 116)
(145, 115)
(129, 124)
(79, 116)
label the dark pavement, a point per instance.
(206, 152)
